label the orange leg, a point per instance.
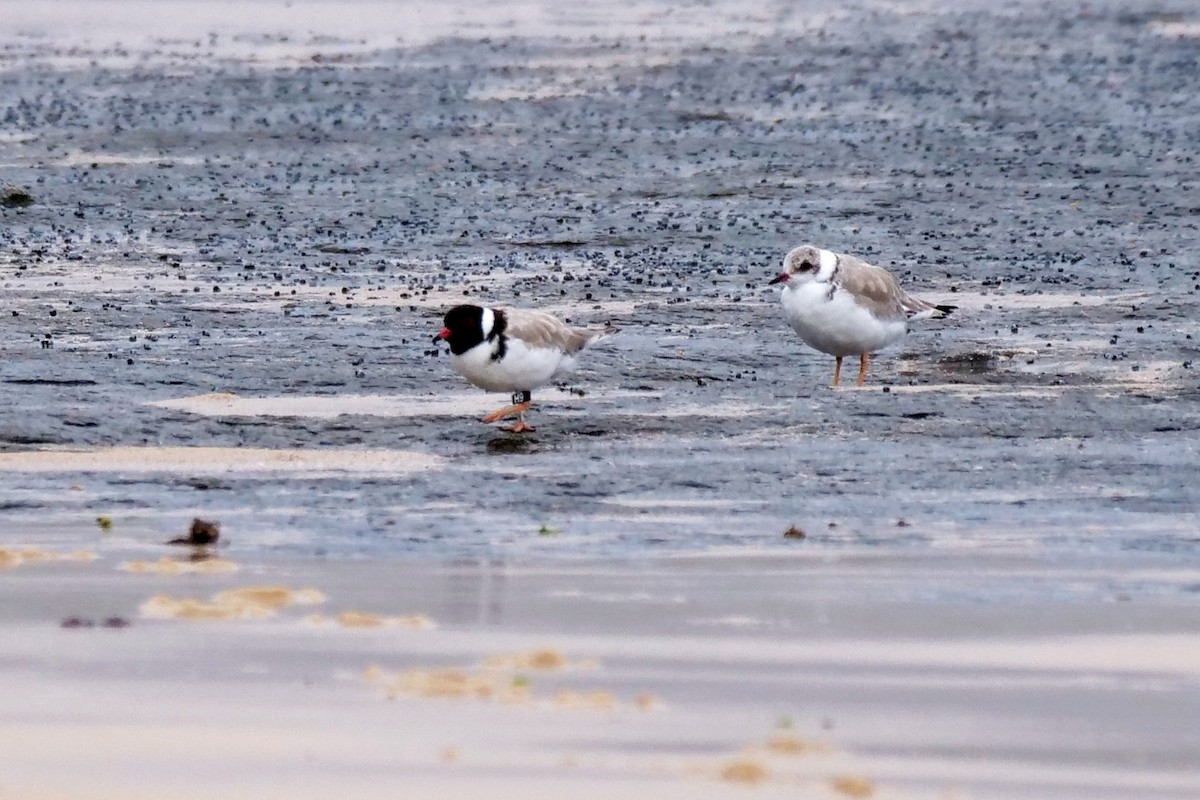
(864, 361)
(521, 426)
(517, 410)
(837, 370)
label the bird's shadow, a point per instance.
(513, 443)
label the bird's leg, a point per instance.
(520, 404)
(864, 361)
(508, 411)
(837, 370)
(521, 425)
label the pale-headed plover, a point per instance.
(843, 306)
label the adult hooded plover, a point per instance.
(512, 350)
(844, 306)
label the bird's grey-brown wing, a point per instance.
(878, 290)
(873, 288)
(539, 329)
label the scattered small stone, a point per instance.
(794, 532)
(105, 523)
(903, 523)
(77, 622)
(115, 622)
(201, 533)
(15, 197)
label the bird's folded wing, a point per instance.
(873, 288)
(538, 329)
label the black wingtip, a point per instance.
(946, 310)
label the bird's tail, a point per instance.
(941, 312)
(586, 337)
(599, 334)
(917, 308)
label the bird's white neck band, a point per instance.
(487, 322)
(828, 265)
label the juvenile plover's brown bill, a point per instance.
(844, 306)
(512, 350)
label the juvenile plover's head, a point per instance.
(466, 326)
(803, 264)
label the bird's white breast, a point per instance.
(836, 324)
(522, 368)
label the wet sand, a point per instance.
(683, 677)
(247, 220)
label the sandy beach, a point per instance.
(818, 676)
(230, 231)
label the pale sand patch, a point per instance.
(83, 159)
(14, 557)
(450, 404)
(1000, 300)
(668, 502)
(108, 274)
(707, 410)
(972, 389)
(284, 32)
(223, 404)
(515, 91)
(217, 459)
(1176, 30)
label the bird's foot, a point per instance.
(520, 427)
(508, 411)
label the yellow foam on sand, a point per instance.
(13, 557)
(178, 566)
(363, 619)
(786, 745)
(248, 602)
(744, 771)
(547, 659)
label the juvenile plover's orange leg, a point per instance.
(837, 370)
(864, 361)
(515, 410)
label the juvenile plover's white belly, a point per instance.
(838, 326)
(521, 368)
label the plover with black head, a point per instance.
(512, 350)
